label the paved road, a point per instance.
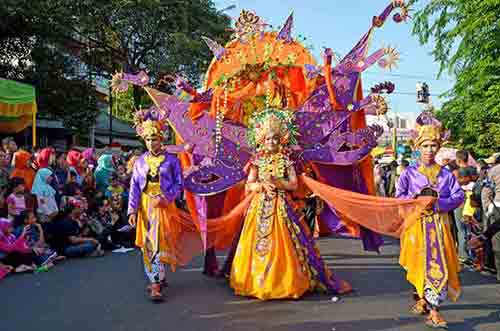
(108, 294)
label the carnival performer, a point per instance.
(156, 182)
(428, 252)
(276, 257)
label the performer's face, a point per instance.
(153, 143)
(428, 150)
(272, 142)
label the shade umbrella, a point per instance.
(17, 107)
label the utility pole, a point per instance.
(110, 114)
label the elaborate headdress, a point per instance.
(151, 122)
(429, 128)
(278, 121)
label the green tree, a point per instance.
(467, 45)
(57, 44)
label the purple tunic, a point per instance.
(171, 183)
(411, 182)
(436, 255)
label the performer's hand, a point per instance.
(188, 148)
(270, 189)
(475, 242)
(132, 220)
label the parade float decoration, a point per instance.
(260, 69)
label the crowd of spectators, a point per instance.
(58, 205)
(476, 223)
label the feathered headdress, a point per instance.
(278, 121)
(429, 128)
(151, 122)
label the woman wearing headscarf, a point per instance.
(22, 168)
(45, 194)
(89, 155)
(74, 159)
(45, 158)
(105, 169)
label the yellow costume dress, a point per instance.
(276, 256)
(428, 252)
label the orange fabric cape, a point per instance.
(387, 216)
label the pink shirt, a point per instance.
(18, 202)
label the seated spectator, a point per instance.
(14, 251)
(35, 238)
(69, 236)
(121, 171)
(124, 235)
(71, 191)
(115, 187)
(109, 228)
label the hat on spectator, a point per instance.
(493, 159)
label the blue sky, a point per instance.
(339, 24)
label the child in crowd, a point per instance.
(16, 201)
(35, 238)
(468, 222)
(115, 187)
(14, 252)
(462, 228)
(472, 217)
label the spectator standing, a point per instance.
(22, 168)
(490, 198)
(10, 147)
(462, 158)
(105, 169)
(462, 229)
(45, 194)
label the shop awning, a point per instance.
(17, 107)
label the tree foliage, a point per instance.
(60, 46)
(467, 44)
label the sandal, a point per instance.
(163, 284)
(420, 308)
(155, 293)
(23, 268)
(436, 322)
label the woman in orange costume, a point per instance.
(22, 168)
(276, 257)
